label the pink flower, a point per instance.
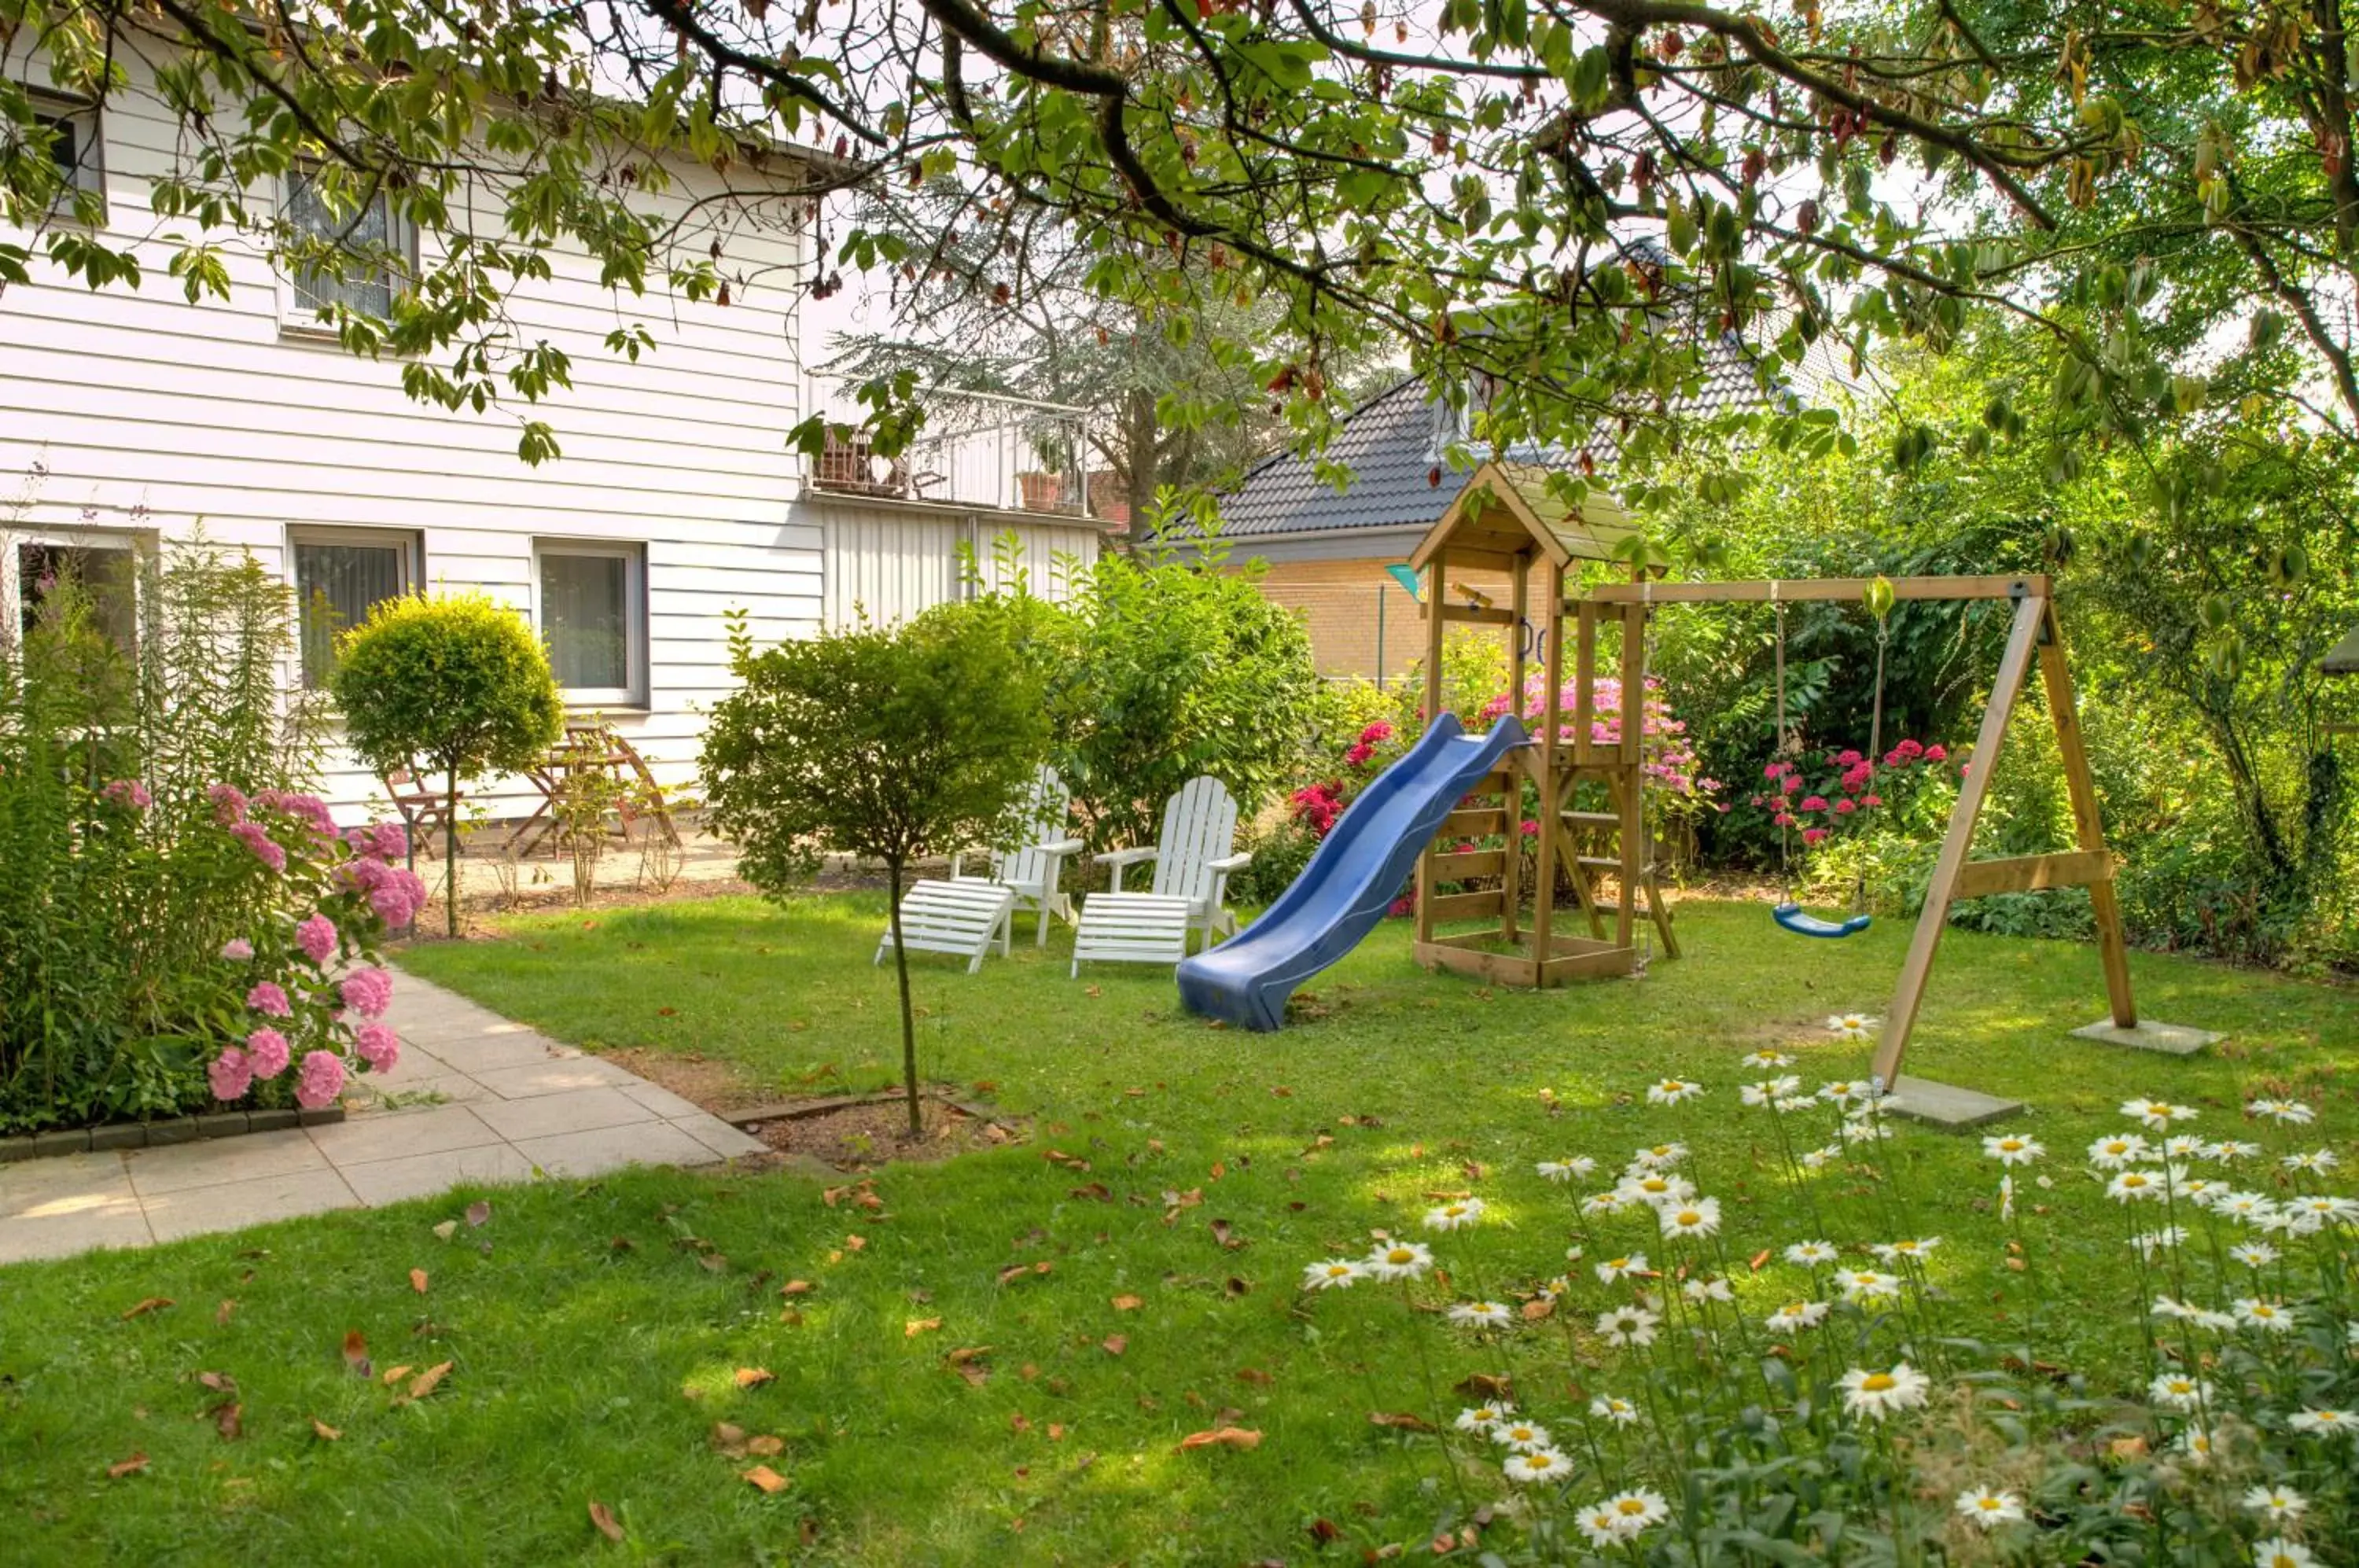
(1871, 800)
(392, 840)
(268, 1052)
(1844, 807)
(269, 996)
(1812, 835)
(378, 1046)
(237, 949)
(1359, 754)
(398, 898)
(265, 849)
(1774, 770)
(317, 938)
(229, 804)
(231, 1074)
(1375, 733)
(1814, 802)
(368, 992)
(1783, 820)
(322, 1079)
(1791, 784)
(1936, 754)
(1403, 905)
(1847, 759)
(1531, 828)
(128, 793)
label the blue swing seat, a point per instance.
(1793, 919)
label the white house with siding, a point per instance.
(133, 419)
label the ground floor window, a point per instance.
(341, 575)
(104, 567)
(590, 605)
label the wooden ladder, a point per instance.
(1590, 846)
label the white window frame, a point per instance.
(90, 157)
(413, 567)
(132, 541)
(298, 319)
(633, 556)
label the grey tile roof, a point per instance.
(1394, 444)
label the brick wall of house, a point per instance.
(1349, 634)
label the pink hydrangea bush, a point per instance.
(1836, 790)
(316, 903)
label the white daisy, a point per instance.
(1915, 1247)
(1480, 1419)
(2285, 1113)
(2156, 1115)
(1480, 1314)
(1455, 1215)
(2165, 1307)
(2250, 1208)
(1764, 1059)
(1538, 1466)
(1335, 1274)
(1810, 1253)
(1523, 1436)
(1879, 1394)
(1820, 1159)
(2011, 1148)
(2202, 1191)
(2114, 1153)
(2179, 1390)
(2186, 1146)
(2154, 1244)
(1654, 1187)
(1694, 1219)
(1549, 1289)
(1658, 1156)
(1672, 1091)
(1401, 1260)
(1599, 1524)
(2135, 1187)
(1636, 1509)
(2280, 1505)
(1990, 1508)
(2276, 1551)
(1628, 1325)
(2318, 1161)
(1793, 1103)
(1573, 1169)
(2218, 1323)
(2269, 1317)
(1621, 1412)
(1867, 1285)
(1597, 1205)
(1614, 1268)
(2229, 1151)
(1866, 1129)
(2322, 1422)
(2253, 1253)
(1850, 1025)
(1798, 1315)
(1708, 1291)
(1842, 1092)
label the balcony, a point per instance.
(978, 450)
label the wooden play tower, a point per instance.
(1506, 521)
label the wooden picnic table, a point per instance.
(594, 746)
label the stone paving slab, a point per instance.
(475, 1099)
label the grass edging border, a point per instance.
(161, 1135)
(799, 1110)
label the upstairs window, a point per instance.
(378, 248)
(75, 147)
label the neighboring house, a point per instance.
(1328, 550)
(131, 419)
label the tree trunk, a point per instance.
(909, 1017)
(450, 850)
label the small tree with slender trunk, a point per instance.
(888, 743)
(457, 683)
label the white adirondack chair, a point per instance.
(1033, 869)
(1193, 860)
(964, 920)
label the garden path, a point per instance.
(474, 1098)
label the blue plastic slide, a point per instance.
(1350, 882)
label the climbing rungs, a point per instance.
(1600, 862)
(1465, 906)
(1473, 824)
(1476, 862)
(1595, 820)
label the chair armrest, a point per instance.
(1227, 864)
(1125, 857)
(1063, 847)
(956, 861)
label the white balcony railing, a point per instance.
(977, 448)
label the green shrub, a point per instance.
(457, 683)
(887, 744)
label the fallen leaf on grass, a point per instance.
(768, 1447)
(1115, 1345)
(856, 1243)
(396, 1374)
(478, 1212)
(426, 1382)
(604, 1518)
(1759, 1259)
(1255, 1376)
(152, 1305)
(131, 1467)
(1484, 1385)
(1399, 1419)
(222, 1314)
(767, 1479)
(1096, 1192)
(967, 1362)
(796, 1288)
(1224, 1233)
(218, 1382)
(1324, 1530)
(356, 1356)
(447, 1229)
(229, 1420)
(417, 1280)
(1535, 1310)
(755, 1377)
(916, 1326)
(1127, 1303)
(324, 1432)
(1220, 1437)
(729, 1439)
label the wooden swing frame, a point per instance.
(2033, 634)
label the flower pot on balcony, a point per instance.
(1040, 492)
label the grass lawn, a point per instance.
(597, 1330)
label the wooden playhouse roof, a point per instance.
(1505, 511)
(2342, 658)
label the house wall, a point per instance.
(1362, 622)
(123, 411)
(892, 560)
